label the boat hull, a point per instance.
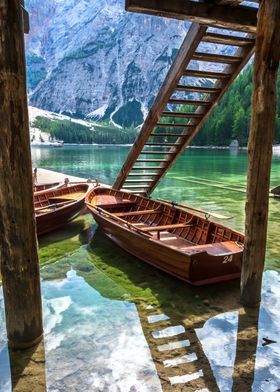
(56, 207)
(198, 269)
(52, 221)
(48, 186)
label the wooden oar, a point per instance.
(217, 216)
(130, 225)
(54, 205)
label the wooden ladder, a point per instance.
(168, 128)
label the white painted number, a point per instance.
(227, 259)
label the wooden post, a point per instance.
(18, 251)
(260, 149)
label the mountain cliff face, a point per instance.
(91, 58)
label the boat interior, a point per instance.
(43, 187)
(174, 227)
(51, 199)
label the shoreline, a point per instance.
(275, 147)
(129, 145)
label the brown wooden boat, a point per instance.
(44, 187)
(188, 246)
(56, 207)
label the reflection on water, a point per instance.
(257, 362)
(90, 340)
(93, 343)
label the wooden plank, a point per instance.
(136, 213)
(221, 86)
(183, 57)
(143, 174)
(25, 16)
(136, 186)
(180, 115)
(162, 144)
(227, 39)
(165, 227)
(198, 89)
(157, 152)
(174, 125)
(225, 16)
(146, 168)
(18, 250)
(145, 180)
(152, 160)
(260, 150)
(206, 74)
(216, 58)
(188, 102)
(166, 135)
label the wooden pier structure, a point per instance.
(252, 26)
(164, 128)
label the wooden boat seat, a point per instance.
(135, 213)
(215, 249)
(158, 229)
(69, 196)
(57, 200)
(109, 201)
(174, 240)
(165, 227)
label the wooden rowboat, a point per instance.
(44, 187)
(177, 241)
(56, 207)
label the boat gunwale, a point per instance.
(55, 185)
(128, 226)
(70, 204)
(150, 238)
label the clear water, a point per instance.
(89, 339)
(213, 180)
(94, 339)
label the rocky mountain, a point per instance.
(92, 58)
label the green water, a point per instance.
(209, 179)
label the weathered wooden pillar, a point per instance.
(260, 149)
(18, 251)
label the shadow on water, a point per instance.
(246, 349)
(23, 370)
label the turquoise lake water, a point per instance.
(210, 179)
(94, 336)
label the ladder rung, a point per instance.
(163, 144)
(216, 58)
(152, 160)
(181, 114)
(157, 152)
(206, 74)
(143, 174)
(198, 89)
(188, 102)
(138, 192)
(136, 186)
(143, 180)
(227, 39)
(174, 125)
(146, 168)
(167, 135)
